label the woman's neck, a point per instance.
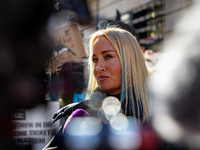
(115, 95)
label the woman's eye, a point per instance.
(94, 59)
(108, 56)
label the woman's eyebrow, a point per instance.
(103, 52)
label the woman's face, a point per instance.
(107, 66)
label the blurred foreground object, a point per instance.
(110, 129)
(25, 46)
(175, 104)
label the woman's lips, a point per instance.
(102, 77)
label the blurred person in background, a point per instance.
(24, 49)
(76, 10)
(119, 23)
(174, 93)
(151, 59)
(117, 68)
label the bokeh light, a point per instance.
(83, 133)
(119, 122)
(125, 133)
(111, 105)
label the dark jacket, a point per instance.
(90, 105)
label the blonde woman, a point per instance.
(117, 68)
(118, 46)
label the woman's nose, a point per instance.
(100, 66)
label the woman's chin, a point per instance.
(103, 88)
(109, 90)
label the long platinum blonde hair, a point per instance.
(134, 71)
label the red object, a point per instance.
(150, 140)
